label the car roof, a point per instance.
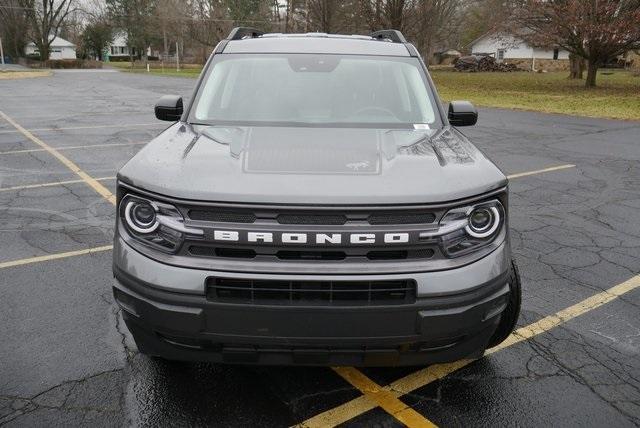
(317, 43)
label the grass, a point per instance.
(10, 74)
(186, 70)
(617, 95)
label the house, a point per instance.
(510, 48)
(59, 49)
(632, 60)
(119, 49)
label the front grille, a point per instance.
(312, 293)
(289, 216)
(320, 226)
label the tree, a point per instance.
(97, 36)
(13, 22)
(481, 16)
(45, 18)
(322, 13)
(596, 30)
(136, 19)
(381, 14)
(434, 24)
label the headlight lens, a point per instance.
(154, 223)
(471, 228)
(483, 222)
(141, 216)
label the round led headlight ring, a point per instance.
(141, 216)
(483, 222)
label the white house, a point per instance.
(59, 49)
(120, 49)
(512, 49)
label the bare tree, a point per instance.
(45, 17)
(434, 24)
(322, 14)
(13, 21)
(386, 13)
(596, 30)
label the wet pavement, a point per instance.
(67, 359)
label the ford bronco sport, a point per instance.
(313, 204)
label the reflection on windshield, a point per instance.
(314, 89)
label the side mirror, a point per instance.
(462, 113)
(169, 107)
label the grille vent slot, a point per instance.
(312, 293)
(222, 216)
(401, 218)
(312, 219)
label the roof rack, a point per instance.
(394, 35)
(239, 33)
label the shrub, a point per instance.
(119, 58)
(73, 63)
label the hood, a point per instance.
(301, 165)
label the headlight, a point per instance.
(154, 223)
(470, 228)
(483, 222)
(141, 216)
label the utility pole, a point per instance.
(177, 59)
(1, 53)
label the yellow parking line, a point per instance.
(126, 125)
(88, 146)
(57, 256)
(54, 183)
(421, 378)
(66, 161)
(383, 398)
(541, 171)
(341, 414)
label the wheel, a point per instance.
(509, 316)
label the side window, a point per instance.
(500, 55)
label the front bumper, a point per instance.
(438, 327)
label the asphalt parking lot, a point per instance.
(67, 359)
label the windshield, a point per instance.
(315, 90)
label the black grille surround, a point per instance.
(305, 217)
(311, 293)
(310, 220)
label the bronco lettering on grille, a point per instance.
(311, 238)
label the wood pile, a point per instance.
(473, 63)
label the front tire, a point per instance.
(509, 316)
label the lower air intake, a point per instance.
(311, 293)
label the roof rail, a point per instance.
(394, 35)
(242, 32)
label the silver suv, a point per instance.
(314, 204)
